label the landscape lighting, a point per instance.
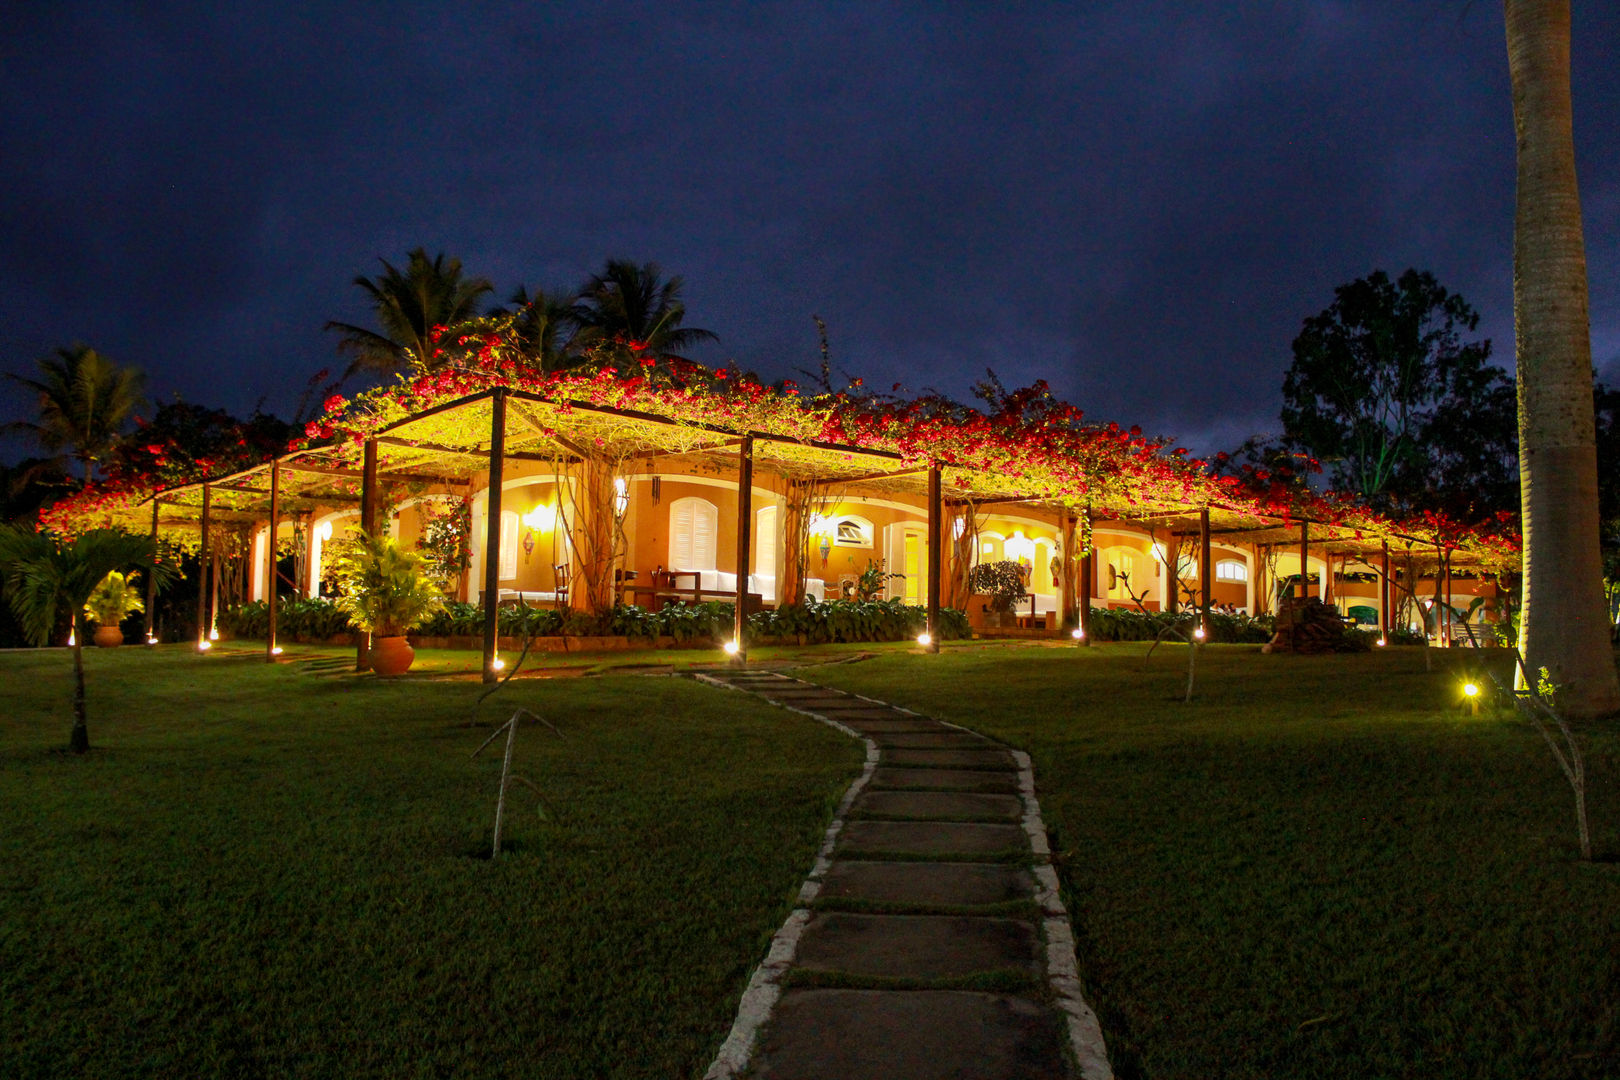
(731, 648)
(151, 639)
(1078, 634)
(204, 646)
(276, 651)
(1382, 642)
(213, 634)
(925, 638)
(497, 664)
(1199, 633)
(1471, 689)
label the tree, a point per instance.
(625, 312)
(408, 305)
(46, 581)
(1385, 391)
(84, 402)
(184, 442)
(1562, 627)
(544, 324)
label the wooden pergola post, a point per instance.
(368, 525)
(1384, 594)
(745, 516)
(202, 570)
(1071, 568)
(1087, 584)
(151, 578)
(271, 584)
(936, 551)
(1445, 569)
(1205, 573)
(492, 528)
(1304, 560)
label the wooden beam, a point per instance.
(410, 478)
(492, 529)
(151, 578)
(368, 525)
(1304, 560)
(435, 448)
(865, 477)
(936, 553)
(745, 520)
(444, 406)
(1205, 572)
(270, 557)
(649, 455)
(202, 571)
(1087, 584)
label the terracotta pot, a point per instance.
(108, 637)
(391, 655)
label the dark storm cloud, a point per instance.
(1138, 203)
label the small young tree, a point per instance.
(46, 580)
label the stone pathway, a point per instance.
(929, 940)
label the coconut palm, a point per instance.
(1564, 625)
(627, 311)
(544, 324)
(46, 581)
(408, 305)
(84, 402)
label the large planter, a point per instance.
(108, 637)
(391, 655)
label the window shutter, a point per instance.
(693, 525)
(509, 544)
(705, 524)
(765, 546)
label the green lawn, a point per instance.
(269, 871)
(1320, 868)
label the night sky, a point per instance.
(1138, 204)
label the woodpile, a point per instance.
(1309, 626)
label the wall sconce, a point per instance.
(542, 518)
(324, 531)
(621, 496)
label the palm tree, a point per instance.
(626, 311)
(544, 323)
(45, 580)
(1564, 625)
(84, 401)
(408, 305)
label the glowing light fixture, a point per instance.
(1471, 689)
(151, 639)
(1199, 633)
(498, 664)
(1382, 642)
(542, 518)
(204, 646)
(731, 648)
(621, 496)
(925, 638)
(1078, 634)
(325, 531)
(213, 633)
(276, 651)
(73, 638)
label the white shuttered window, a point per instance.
(693, 525)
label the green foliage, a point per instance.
(384, 589)
(46, 582)
(113, 599)
(1005, 581)
(84, 401)
(446, 540)
(870, 584)
(1408, 415)
(853, 620)
(1130, 624)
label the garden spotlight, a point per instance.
(276, 651)
(925, 638)
(204, 645)
(1078, 634)
(1199, 633)
(497, 664)
(731, 648)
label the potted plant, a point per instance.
(386, 591)
(1004, 582)
(111, 601)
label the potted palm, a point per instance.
(113, 599)
(386, 591)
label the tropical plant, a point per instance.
(627, 313)
(84, 402)
(869, 586)
(446, 538)
(383, 588)
(115, 598)
(409, 305)
(47, 581)
(1563, 628)
(543, 324)
(1004, 581)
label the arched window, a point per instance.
(1235, 570)
(694, 524)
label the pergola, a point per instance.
(454, 442)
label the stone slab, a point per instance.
(942, 739)
(890, 725)
(945, 779)
(916, 946)
(981, 759)
(927, 883)
(931, 837)
(910, 1035)
(939, 805)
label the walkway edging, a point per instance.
(1062, 968)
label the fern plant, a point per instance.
(113, 599)
(383, 588)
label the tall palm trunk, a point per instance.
(1563, 626)
(79, 741)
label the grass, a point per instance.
(1322, 867)
(283, 870)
